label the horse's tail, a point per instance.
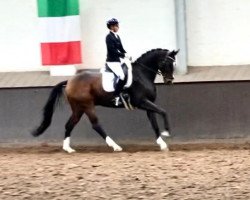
(49, 108)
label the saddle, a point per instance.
(110, 79)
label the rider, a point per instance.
(115, 52)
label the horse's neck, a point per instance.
(144, 71)
(148, 70)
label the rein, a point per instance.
(148, 68)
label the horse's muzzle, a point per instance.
(168, 81)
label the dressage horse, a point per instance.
(84, 91)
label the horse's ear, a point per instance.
(174, 53)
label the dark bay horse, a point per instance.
(84, 91)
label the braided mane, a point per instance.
(149, 52)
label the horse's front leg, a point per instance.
(152, 118)
(150, 106)
(151, 109)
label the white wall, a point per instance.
(145, 24)
(19, 43)
(218, 32)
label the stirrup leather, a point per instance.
(126, 104)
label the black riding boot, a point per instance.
(119, 86)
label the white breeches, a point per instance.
(117, 69)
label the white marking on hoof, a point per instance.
(162, 144)
(165, 133)
(66, 145)
(112, 144)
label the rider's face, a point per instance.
(115, 28)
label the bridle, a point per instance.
(158, 71)
(148, 68)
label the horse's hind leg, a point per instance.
(98, 128)
(73, 120)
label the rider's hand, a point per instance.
(128, 56)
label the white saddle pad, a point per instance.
(108, 79)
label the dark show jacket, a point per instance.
(114, 48)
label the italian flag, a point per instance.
(60, 32)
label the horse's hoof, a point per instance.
(165, 133)
(112, 144)
(118, 148)
(164, 148)
(163, 145)
(69, 150)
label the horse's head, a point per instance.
(157, 61)
(166, 66)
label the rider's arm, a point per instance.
(112, 47)
(122, 49)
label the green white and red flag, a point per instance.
(60, 32)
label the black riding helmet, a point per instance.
(112, 22)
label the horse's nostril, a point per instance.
(168, 80)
